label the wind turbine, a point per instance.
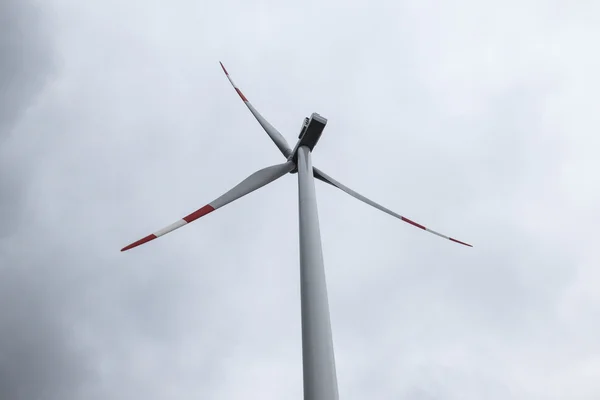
(318, 361)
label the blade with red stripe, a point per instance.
(253, 182)
(327, 179)
(273, 133)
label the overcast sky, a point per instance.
(477, 119)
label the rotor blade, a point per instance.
(273, 133)
(320, 175)
(255, 181)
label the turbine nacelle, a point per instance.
(310, 133)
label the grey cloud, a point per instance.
(37, 359)
(37, 355)
(25, 60)
(25, 64)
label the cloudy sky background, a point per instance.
(477, 119)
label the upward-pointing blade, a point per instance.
(273, 133)
(320, 175)
(255, 181)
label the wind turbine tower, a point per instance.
(318, 361)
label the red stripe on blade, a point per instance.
(224, 70)
(141, 241)
(199, 213)
(241, 94)
(413, 223)
(458, 241)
